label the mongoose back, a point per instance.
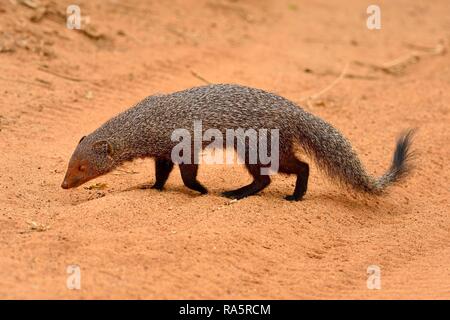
(145, 131)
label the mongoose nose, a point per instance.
(65, 185)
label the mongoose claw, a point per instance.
(293, 198)
(230, 195)
(157, 187)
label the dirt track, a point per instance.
(58, 84)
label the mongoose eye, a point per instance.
(82, 168)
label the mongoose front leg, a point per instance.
(258, 184)
(163, 167)
(189, 176)
(301, 169)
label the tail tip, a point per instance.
(403, 153)
(403, 156)
(401, 162)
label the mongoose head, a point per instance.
(91, 159)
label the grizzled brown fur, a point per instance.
(145, 131)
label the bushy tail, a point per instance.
(334, 155)
(400, 165)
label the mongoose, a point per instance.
(145, 131)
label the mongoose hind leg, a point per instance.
(294, 166)
(259, 183)
(163, 167)
(189, 176)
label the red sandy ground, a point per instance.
(58, 84)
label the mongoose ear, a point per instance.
(103, 146)
(82, 138)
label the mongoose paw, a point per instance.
(227, 194)
(232, 195)
(293, 198)
(157, 187)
